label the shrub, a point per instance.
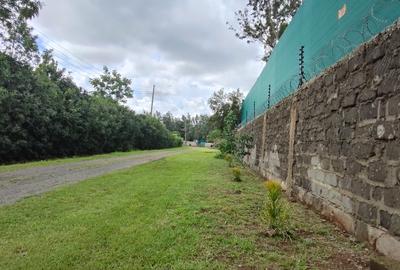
(236, 174)
(219, 155)
(275, 211)
(229, 159)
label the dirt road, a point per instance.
(22, 183)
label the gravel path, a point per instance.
(22, 183)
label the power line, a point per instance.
(68, 63)
(67, 51)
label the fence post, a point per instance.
(269, 96)
(301, 64)
(254, 110)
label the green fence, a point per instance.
(328, 30)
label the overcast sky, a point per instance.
(184, 47)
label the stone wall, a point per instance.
(344, 155)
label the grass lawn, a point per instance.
(18, 166)
(182, 212)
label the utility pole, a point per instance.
(152, 99)
(185, 129)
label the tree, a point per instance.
(227, 144)
(16, 37)
(265, 21)
(214, 136)
(112, 85)
(43, 114)
(221, 104)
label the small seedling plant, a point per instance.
(236, 174)
(275, 211)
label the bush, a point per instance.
(43, 114)
(175, 140)
(219, 155)
(229, 159)
(236, 174)
(275, 211)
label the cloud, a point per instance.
(183, 47)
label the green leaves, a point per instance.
(112, 85)
(265, 21)
(16, 37)
(43, 114)
(222, 104)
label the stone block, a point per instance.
(374, 54)
(393, 106)
(385, 219)
(350, 115)
(344, 219)
(356, 62)
(379, 149)
(343, 202)
(315, 162)
(346, 133)
(358, 79)
(381, 68)
(369, 111)
(381, 109)
(341, 71)
(334, 105)
(361, 231)
(395, 225)
(373, 234)
(383, 263)
(367, 94)
(385, 131)
(353, 167)
(389, 84)
(325, 164)
(344, 183)
(338, 165)
(394, 41)
(366, 132)
(367, 212)
(334, 149)
(363, 150)
(360, 188)
(377, 171)
(332, 133)
(349, 100)
(391, 197)
(377, 193)
(395, 62)
(316, 175)
(306, 184)
(328, 79)
(331, 179)
(393, 176)
(389, 245)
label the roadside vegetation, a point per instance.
(44, 114)
(182, 212)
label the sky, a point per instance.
(183, 47)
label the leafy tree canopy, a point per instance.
(265, 21)
(222, 104)
(112, 85)
(16, 37)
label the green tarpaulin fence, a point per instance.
(328, 30)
